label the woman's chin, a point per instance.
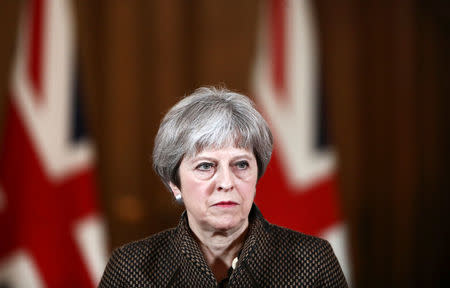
(227, 223)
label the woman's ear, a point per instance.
(175, 190)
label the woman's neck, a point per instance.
(220, 248)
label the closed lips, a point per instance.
(225, 203)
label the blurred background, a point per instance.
(379, 113)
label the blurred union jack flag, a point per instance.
(298, 190)
(50, 224)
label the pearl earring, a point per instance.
(178, 197)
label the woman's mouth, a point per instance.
(225, 204)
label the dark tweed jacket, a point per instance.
(272, 256)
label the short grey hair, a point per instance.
(209, 118)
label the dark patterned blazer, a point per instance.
(271, 256)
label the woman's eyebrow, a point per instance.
(246, 156)
(200, 158)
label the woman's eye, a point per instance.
(242, 165)
(205, 166)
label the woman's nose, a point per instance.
(224, 180)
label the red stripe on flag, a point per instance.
(278, 45)
(35, 47)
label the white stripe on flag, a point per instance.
(19, 271)
(90, 236)
(337, 236)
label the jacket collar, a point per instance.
(252, 250)
(185, 243)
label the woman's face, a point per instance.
(218, 188)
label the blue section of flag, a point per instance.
(78, 130)
(322, 140)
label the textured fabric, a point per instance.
(271, 256)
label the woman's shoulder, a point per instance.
(145, 251)
(290, 252)
(294, 240)
(282, 238)
(140, 261)
(155, 243)
(310, 251)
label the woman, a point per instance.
(210, 151)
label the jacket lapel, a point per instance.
(255, 254)
(189, 255)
